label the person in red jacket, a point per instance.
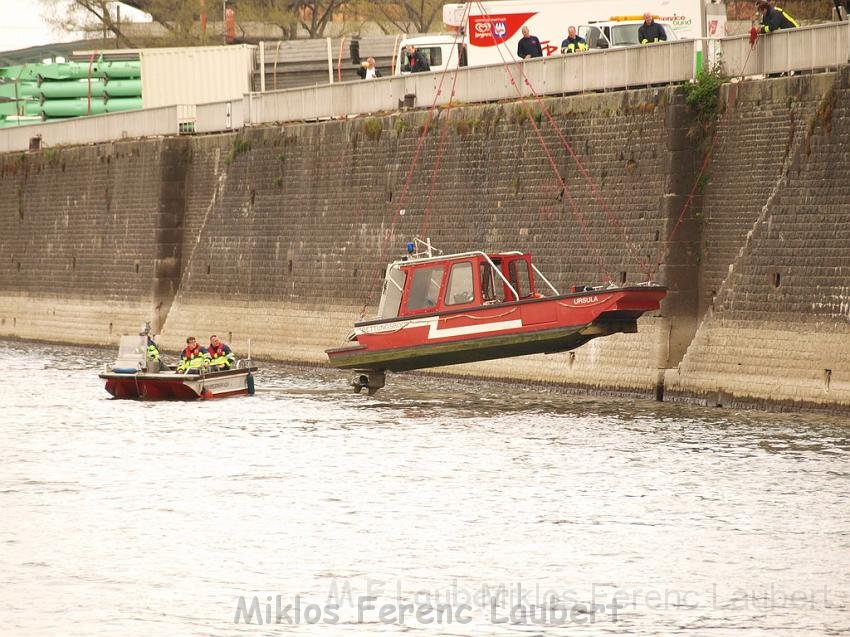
(221, 356)
(193, 357)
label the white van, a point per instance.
(606, 34)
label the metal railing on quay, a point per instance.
(592, 71)
(146, 122)
(822, 46)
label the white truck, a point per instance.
(488, 32)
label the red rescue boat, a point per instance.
(473, 306)
(135, 375)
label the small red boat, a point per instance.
(473, 306)
(134, 375)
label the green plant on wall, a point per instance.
(372, 127)
(240, 146)
(52, 155)
(703, 94)
(401, 125)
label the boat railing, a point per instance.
(501, 276)
(427, 252)
(545, 280)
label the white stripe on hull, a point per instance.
(481, 328)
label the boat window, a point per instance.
(425, 288)
(391, 297)
(519, 278)
(461, 288)
(488, 293)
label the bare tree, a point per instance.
(85, 16)
(314, 15)
(408, 16)
(274, 12)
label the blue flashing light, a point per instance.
(411, 248)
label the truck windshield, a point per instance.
(434, 55)
(625, 35)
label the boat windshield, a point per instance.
(133, 347)
(391, 297)
(132, 352)
(461, 288)
(425, 288)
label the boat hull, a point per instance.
(174, 386)
(545, 325)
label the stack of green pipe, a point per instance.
(70, 89)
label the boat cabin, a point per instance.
(427, 284)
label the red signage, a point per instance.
(492, 30)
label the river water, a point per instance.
(435, 507)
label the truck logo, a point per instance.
(493, 30)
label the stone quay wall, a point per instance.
(280, 234)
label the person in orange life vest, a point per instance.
(193, 357)
(221, 356)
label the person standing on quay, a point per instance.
(650, 32)
(368, 70)
(573, 42)
(529, 46)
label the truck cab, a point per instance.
(441, 51)
(617, 32)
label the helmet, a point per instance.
(762, 4)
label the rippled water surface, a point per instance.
(496, 507)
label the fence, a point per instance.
(805, 49)
(96, 128)
(591, 71)
(808, 49)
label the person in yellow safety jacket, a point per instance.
(774, 18)
(221, 356)
(153, 350)
(193, 358)
(573, 42)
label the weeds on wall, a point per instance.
(521, 113)
(401, 125)
(703, 94)
(240, 145)
(372, 128)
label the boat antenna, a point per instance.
(428, 250)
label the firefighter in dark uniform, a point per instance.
(650, 31)
(573, 42)
(773, 18)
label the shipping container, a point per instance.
(195, 75)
